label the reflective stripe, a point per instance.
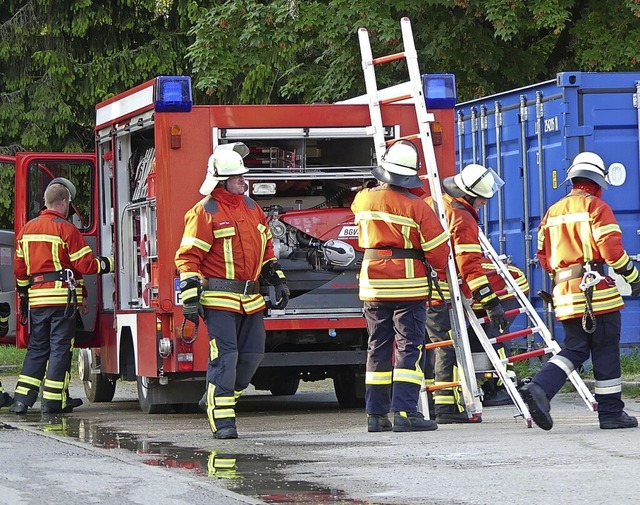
(563, 363)
(407, 375)
(378, 378)
(608, 387)
(195, 242)
(32, 381)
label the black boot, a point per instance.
(17, 407)
(624, 420)
(412, 421)
(378, 422)
(5, 400)
(538, 403)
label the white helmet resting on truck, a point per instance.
(399, 165)
(589, 166)
(226, 161)
(474, 180)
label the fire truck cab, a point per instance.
(306, 164)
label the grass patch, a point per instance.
(11, 359)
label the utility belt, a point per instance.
(232, 286)
(393, 253)
(577, 271)
(60, 275)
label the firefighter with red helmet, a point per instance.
(225, 254)
(465, 194)
(50, 256)
(403, 239)
(578, 236)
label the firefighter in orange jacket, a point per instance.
(465, 194)
(225, 253)
(399, 232)
(50, 255)
(577, 237)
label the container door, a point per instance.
(34, 171)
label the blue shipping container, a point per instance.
(529, 137)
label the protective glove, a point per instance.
(496, 314)
(190, 290)
(635, 288)
(23, 293)
(282, 296)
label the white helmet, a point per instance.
(590, 166)
(474, 180)
(399, 165)
(225, 162)
(67, 184)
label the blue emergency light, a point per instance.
(439, 91)
(173, 93)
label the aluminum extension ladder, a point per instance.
(459, 308)
(412, 92)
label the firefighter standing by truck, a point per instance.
(50, 255)
(225, 253)
(577, 237)
(403, 239)
(465, 194)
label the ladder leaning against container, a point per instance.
(412, 91)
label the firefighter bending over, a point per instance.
(465, 194)
(50, 254)
(403, 240)
(577, 237)
(225, 253)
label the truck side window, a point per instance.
(80, 173)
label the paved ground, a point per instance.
(305, 449)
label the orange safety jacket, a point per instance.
(226, 236)
(473, 267)
(577, 229)
(390, 217)
(49, 243)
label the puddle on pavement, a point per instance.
(250, 475)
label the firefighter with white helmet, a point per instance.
(465, 193)
(50, 258)
(225, 254)
(578, 237)
(400, 234)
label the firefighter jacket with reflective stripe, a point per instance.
(579, 228)
(226, 236)
(50, 243)
(473, 267)
(390, 217)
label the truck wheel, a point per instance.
(97, 387)
(287, 385)
(349, 388)
(148, 397)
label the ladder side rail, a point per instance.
(544, 332)
(456, 312)
(498, 365)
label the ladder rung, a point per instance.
(527, 355)
(507, 313)
(443, 385)
(513, 335)
(406, 137)
(436, 345)
(387, 59)
(394, 99)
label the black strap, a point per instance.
(393, 253)
(48, 277)
(233, 286)
(577, 271)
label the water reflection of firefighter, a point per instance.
(222, 467)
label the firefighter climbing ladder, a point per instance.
(412, 91)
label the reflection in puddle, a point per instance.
(247, 474)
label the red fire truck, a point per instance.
(152, 146)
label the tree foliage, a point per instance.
(59, 58)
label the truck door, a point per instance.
(34, 171)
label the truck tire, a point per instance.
(349, 388)
(287, 385)
(97, 387)
(148, 397)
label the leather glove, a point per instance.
(23, 293)
(190, 290)
(282, 296)
(635, 288)
(496, 315)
